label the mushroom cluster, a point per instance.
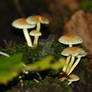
(73, 54)
(31, 22)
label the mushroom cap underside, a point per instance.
(73, 77)
(73, 51)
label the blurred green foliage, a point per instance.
(9, 67)
(31, 58)
(31, 55)
(86, 5)
(46, 64)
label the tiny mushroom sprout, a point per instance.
(22, 24)
(72, 78)
(36, 34)
(74, 52)
(70, 40)
(37, 20)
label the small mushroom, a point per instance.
(22, 24)
(81, 54)
(74, 52)
(69, 52)
(37, 20)
(70, 40)
(36, 34)
(72, 78)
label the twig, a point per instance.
(4, 54)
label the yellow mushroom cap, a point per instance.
(73, 51)
(37, 19)
(73, 77)
(21, 24)
(35, 33)
(44, 20)
(70, 39)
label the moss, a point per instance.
(48, 85)
(31, 55)
(85, 5)
(58, 48)
(10, 51)
(8, 91)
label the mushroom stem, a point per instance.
(38, 26)
(36, 38)
(66, 64)
(74, 65)
(69, 82)
(35, 43)
(27, 37)
(70, 64)
(70, 45)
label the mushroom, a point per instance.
(74, 52)
(22, 24)
(37, 20)
(72, 78)
(70, 40)
(81, 54)
(69, 53)
(36, 34)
